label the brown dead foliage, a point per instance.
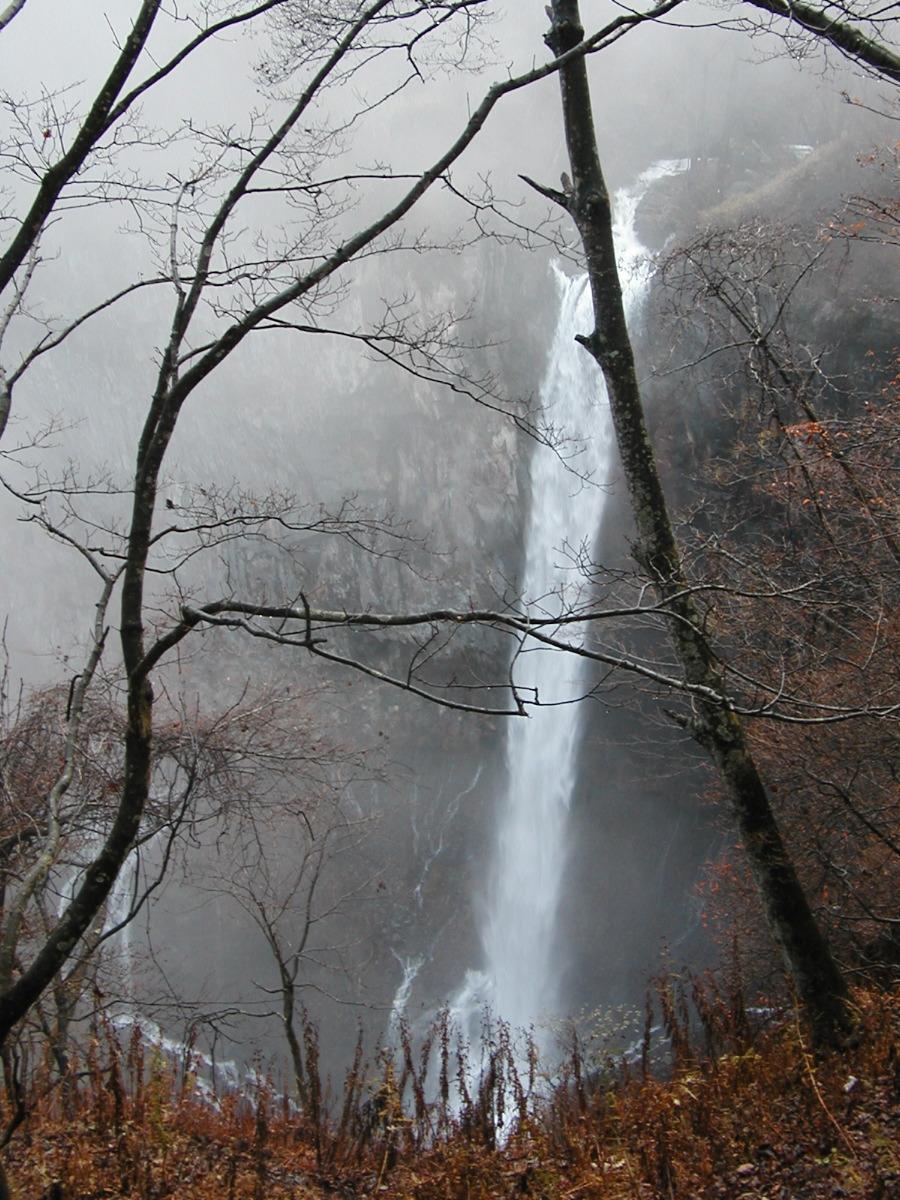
(753, 1115)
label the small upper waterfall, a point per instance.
(518, 982)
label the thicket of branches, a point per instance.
(798, 525)
(256, 228)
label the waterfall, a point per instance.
(518, 982)
(410, 968)
(541, 752)
(118, 908)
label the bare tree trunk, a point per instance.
(288, 1002)
(6, 16)
(92, 129)
(851, 42)
(817, 978)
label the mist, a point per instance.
(323, 418)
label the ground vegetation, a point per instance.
(739, 1110)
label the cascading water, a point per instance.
(541, 752)
(519, 980)
(118, 912)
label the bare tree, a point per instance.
(223, 288)
(713, 721)
(231, 265)
(799, 490)
(260, 763)
(301, 896)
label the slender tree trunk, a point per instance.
(91, 131)
(817, 978)
(17, 999)
(6, 16)
(288, 1003)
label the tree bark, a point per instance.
(816, 976)
(873, 55)
(99, 877)
(6, 16)
(92, 129)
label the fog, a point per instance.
(322, 418)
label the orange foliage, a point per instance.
(754, 1114)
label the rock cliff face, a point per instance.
(322, 419)
(319, 419)
(458, 471)
(791, 213)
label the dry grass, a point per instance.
(752, 1115)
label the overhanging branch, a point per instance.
(850, 41)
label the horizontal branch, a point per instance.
(314, 622)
